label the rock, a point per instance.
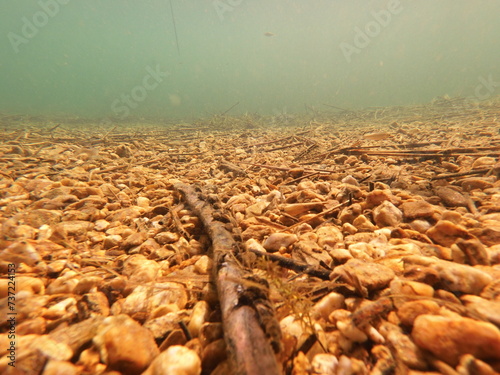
(483, 162)
(124, 345)
(474, 251)
(329, 235)
(371, 276)
(20, 252)
(278, 240)
(362, 224)
(253, 245)
(417, 210)
(213, 354)
(198, 317)
(473, 183)
(410, 310)
(450, 338)
(379, 196)
(203, 265)
(324, 307)
(451, 197)
(488, 309)
(176, 360)
(146, 298)
(446, 233)
(387, 215)
(59, 368)
(324, 363)
(405, 348)
(453, 276)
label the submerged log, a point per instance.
(251, 332)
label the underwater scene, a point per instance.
(250, 187)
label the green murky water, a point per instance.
(188, 58)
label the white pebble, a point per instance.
(176, 360)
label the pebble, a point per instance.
(483, 162)
(325, 306)
(387, 215)
(124, 345)
(362, 224)
(410, 310)
(329, 235)
(146, 298)
(325, 364)
(379, 196)
(473, 183)
(176, 360)
(371, 276)
(449, 338)
(451, 197)
(278, 240)
(417, 210)
(488, 309)
(446, 233)
(199, 315)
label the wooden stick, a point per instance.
(249, 350)
(295, 265)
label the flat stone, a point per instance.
(450, 338)
(372, 276)
(451, 197)
(417, 210)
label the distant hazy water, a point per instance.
(120, 58)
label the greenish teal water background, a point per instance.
(86, 57)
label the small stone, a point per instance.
(372, 276)
(329, 235)
(454, 277)
(417, 210)
(146, 298)
(451, 197)
(143, 202)
(379, 196)
(21, 252)
(166, 237)
(362, 224)
(278, 240)
(325, 363)
(253, 245)
(112, 241)
(472, 183)
(327, 305)
(474, 251)
(124, 345)
(489, 309)
(135, 239)
(449, 338)
(387, 215)
(421, 226)
(176, 360)
(410, 310)
(203, 265)
(483, 162)
(101, 225)
(198, 317)
(213, 354)
(405, 348)
(446, 233)
(59, 368)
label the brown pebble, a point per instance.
(446, 233)
(417, 210)
(449, 338)
(451, 197)
(125, 345)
